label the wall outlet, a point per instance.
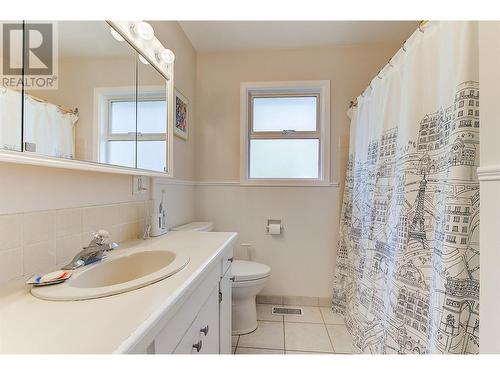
(140, 185)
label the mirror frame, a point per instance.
(150, 50)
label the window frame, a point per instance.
(318, 89)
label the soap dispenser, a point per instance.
(159, 217)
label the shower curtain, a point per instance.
(49, 129)
(407, 278)
(10, 119)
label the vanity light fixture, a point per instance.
(167, 56)
(143, 29)
(116, 35)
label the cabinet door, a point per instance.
(225, 293)
(203, 335)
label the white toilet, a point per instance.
(249, 280)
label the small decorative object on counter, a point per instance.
(50, 278)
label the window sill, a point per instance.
(288, 183)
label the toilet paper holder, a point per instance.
(274, 222)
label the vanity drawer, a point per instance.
(203, 335)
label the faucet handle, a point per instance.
(101, 236)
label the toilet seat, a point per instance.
(244, 270)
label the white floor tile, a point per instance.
(310, 314)
(341, 338)
(264, 313)
(241, 350)
(268, 335)
(307, 337)
(330, 317)
(234, 340)
(294, 352)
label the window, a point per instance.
(151, 133)
(132, 134)
(285, 132)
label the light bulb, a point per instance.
(117, 36)
(144, 30)
(168, 56)
(143, 60)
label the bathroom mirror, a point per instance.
(151, 118)
(104, 99)
(11, 87)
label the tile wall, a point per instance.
(43, 241)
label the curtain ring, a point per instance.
(390, 63)
(379, 75)
(404, 46)
(371, 87)
(420, 27)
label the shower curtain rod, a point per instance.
(59, 107)
(40, 100)
(354, 103)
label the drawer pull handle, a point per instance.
(198, 346)
(230, 260)
(232, 278)
(204, 330)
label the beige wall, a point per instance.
(172, 36)
(303, 257)
(489, 81)
(350, 68)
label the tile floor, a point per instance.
(317, 331)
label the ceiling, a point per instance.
(209, 36)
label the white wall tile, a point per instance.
(132, 212)
(37, 242)
(302, 258)
(11, 264)
(100, 217)
(68, 222)
(11, 231)
(39, 258)
(38, 227)
(66, 248)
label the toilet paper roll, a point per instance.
(274, 229)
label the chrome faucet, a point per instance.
(94, 252)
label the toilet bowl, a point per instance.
(249, 280)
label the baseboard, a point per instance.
(294, 300)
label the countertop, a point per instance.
(111, 324)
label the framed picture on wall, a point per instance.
(181, 126)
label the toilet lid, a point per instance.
(244, 270)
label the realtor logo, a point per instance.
(29, 55)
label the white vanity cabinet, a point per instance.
(201, 323)
(225, 298)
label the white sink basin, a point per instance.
(114, 275)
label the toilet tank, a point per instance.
(196, 226)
